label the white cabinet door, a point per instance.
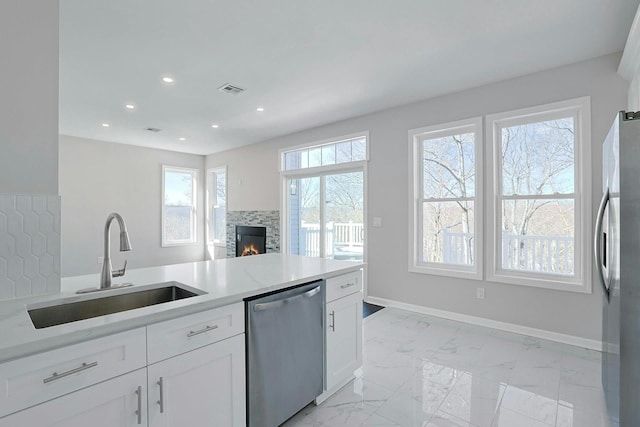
(120, 402)
(344, 338)
(204, 387)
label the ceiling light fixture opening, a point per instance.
(260, 109)
(130, 106)
(168, 80)
(182, 138)
(105, 125)
(215, 126)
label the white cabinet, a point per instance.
(343, 345)
(198, 380)
(119, 402)
(35, 379)
(204, 387)
(344, 339)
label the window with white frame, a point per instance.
(323, 198)
(217, 204)
(179, 189)
(539, 213)
(352, 149)
(446, 223)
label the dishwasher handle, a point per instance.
(279, 303)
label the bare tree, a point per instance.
(449, 173)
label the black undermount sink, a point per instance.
(58, 314)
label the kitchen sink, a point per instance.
(60, 313)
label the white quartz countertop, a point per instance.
(225, 281)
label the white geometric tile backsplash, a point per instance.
(29, 245)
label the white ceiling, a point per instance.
(307, 62)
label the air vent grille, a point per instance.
(229, 88)
(154, 130)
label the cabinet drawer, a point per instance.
(347, 284)
(41, 377)
(176, 336)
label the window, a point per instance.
(446, 224)
(328, 153)
(323, 198)
(179, 205)
(217, 204)
(540, 204)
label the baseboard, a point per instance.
(494, 324)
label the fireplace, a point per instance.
(250, 240)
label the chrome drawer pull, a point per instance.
(332, 325)
(57, 376)
(139, 410)
(161, 401)
(202, 331)
(348, 285)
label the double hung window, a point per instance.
(446, 230)
(179, 189)
(540, 206)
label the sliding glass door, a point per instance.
(326, 215)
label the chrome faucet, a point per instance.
(125, 245)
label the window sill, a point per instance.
(174, 244)
(462, 273)
(543, 282)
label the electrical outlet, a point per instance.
(100, 259)
(377, 221)
(480, 293)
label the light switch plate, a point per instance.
(377, 221)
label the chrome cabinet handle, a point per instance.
(597, 241)
(347, 285)
(202, 331)
(161, 401)
(57, 376)
(332, 325)
(139, 410)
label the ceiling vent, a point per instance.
(229, 88)
(154, 130)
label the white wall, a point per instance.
(29, 96)
(388, 175)
(97, 178)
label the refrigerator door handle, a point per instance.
(597, 240)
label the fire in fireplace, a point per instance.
(250, 240)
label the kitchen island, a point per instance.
(147, 330)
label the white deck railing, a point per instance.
(339, 234)
(547, 254)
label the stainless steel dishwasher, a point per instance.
(285, 353)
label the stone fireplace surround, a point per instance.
(268, 219)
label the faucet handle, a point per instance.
(120, 273)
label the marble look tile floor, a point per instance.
(430, 372)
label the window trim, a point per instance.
(194, 207)
(580, 108)
(210, 222)
(416, 199)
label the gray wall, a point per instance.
(29, 97)
(97, 178)
(388, 177)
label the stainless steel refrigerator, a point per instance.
(617, 260)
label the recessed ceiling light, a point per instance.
(129, 106)
(215, 126)
(182, 138)
(168, 79)
(105, 125)
(260, 109)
